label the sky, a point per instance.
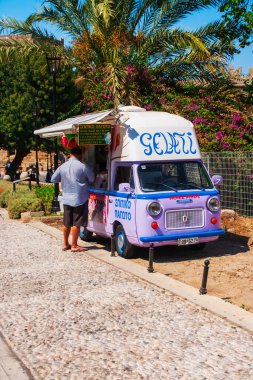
(20, 9)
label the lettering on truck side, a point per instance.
(121, 214)
(170, 142)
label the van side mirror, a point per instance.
(217, 180)
(124, 187)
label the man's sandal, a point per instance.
(79, 249)
(66, 248)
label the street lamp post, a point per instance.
(36, 114)
(53, 63)
(37, 162)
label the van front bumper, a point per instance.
(161, 238)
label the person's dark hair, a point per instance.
(76, 151)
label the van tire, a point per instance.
(123, 247)
(85, 234)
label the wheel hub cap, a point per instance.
(121, 241)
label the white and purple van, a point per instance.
(153, 189)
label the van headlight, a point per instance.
(213, 204)
(154, 208)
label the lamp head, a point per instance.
(53, 63)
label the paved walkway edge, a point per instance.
(11, 367)
(232, 313)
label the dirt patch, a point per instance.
(231, 261)
(230, 271)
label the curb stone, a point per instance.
(11, 368)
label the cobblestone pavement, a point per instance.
(70, 316)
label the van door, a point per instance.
(98, 157)
(121, 201)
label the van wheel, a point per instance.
(85, 235)
(123, 247)
(198, 247)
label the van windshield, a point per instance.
(173, 176)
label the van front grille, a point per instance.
(181, 219)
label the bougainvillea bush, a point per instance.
(222, 119)
(220, 113)
(218, 128)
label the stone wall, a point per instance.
(45, 160)
(240, 79)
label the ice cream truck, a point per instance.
(151, 188)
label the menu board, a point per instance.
(94, 134)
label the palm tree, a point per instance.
(111, 36)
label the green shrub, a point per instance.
(5, 185)
(22, 203)
(46, 194)
(4, 198)
(5, 193)
(23, 199)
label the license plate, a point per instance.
(188, 241)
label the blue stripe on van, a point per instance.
(113, 193)
(152, 239)
(153, 195)
(176, 194)
(97, 191)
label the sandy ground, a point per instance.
(230, 274)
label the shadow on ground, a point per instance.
(227, 245)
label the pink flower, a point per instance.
(162, 101)
(208, 99)
(219, 136)
(225, 145)
(148, 107)
(130, 69)
(237, 119)
(192, 107)
(233, 126)
(199, 120)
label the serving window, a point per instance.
(124, 174)
(101, 166)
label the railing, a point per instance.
(236, 169)
(22, 180)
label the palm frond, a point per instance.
(166, 13)
(112, 34)
(68, 20)
(9, 24)
(106, 10)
